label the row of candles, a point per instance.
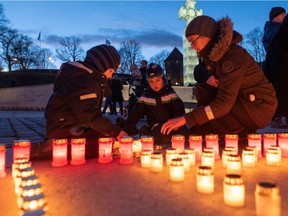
(180, 159)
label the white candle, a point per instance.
(185, 158)
(248, 158)
(156, 162)
(212, 142)
(205, 180)
(233, 165)
(207, 159)
(170, 154)
(267, 199)
(234, 191)
(191, 156)
(225, 153)
(272, 157)
(145, 158)
(177, 170)
(195, 142)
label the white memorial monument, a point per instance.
(190, 59)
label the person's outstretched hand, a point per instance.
(172, 124)
(121, 134)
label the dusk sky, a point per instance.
(155, 24)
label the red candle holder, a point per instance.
(232, 140)
(21, 149)
(195, 142)
(147, 143)
(105, 149)
(178, 142)
(255, 140)
(269, 139)
(60, 148)
(126, 150)
(283, 143)
(2, 160)
(212, 142)
(78, 151)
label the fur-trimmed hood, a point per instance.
(225, 37)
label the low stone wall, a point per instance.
(35, 97)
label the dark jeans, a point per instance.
(107, 104)
(120, 105)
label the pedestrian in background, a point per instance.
(276, 70)
(107, 95)
(117, 95)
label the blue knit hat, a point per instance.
(103, 57)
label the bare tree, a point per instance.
(71, 49)
(253, 42)
(7, 38)
(131, 53)
(159, 58)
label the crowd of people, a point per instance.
(233, 94)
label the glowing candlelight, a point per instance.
(156, 162)
(272, 157)
(283, 143)
(59, 156)
(28, 191)
(105, 149)
(191, 156)
(178, 142)
(234, 191)
(195, 142)
(78, 151)
(255, 140)
(248, 158)
(233, 165)
(136, 148)
(126, 151)
(267, 199)
(225, 153)
(2, 160)
(147, 143)
(205, 180)
(176, 170)
(185, 159)
(207, 159)
(30, 180)
(22, 173)
(21, 149)
(170, 154)
(34, 205)
(145, 158)
(269, 139)
(212, 142)
(232, 140)
(20, 164)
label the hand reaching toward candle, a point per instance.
(121, 134)
(172, 124)
(213, 81)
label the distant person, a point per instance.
(158, 103)
(276, 17)
(143, 68)
(276, 70)
(117, 95)
(107, 95)
(237, 97)
(74, 109)
(136, 75)
(201, 74)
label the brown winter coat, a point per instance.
(240, 79)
